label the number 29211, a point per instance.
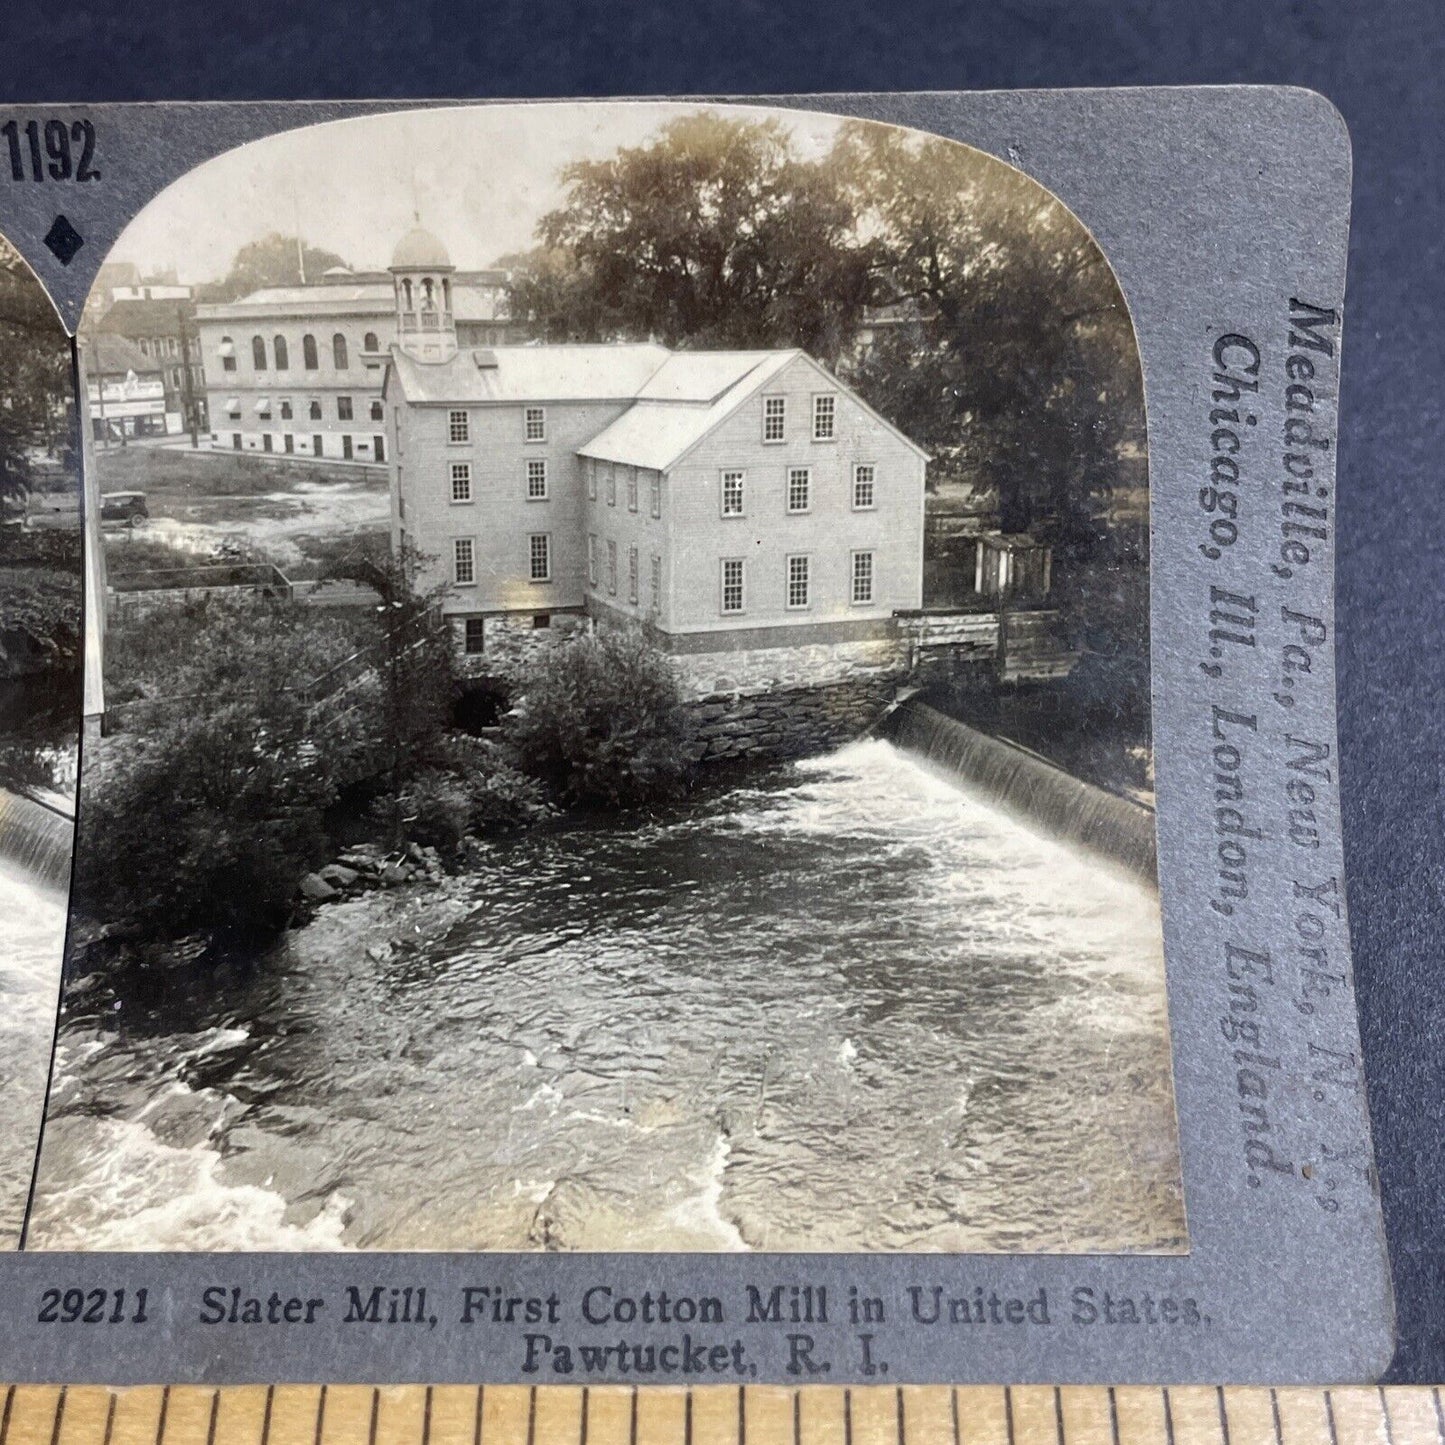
(92, 1307)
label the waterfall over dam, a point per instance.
(1030, 787)
(36, 839)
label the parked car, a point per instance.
(127, 507)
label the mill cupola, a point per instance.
(421, 275)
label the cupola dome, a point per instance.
(420, 250)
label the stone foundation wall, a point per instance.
(512, 641)
(790, 722)
(706, 675)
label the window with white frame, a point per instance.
(612, 567)
(475, 634)
(537, 479)
(657, 494)
(632, 574)
(461, 481)
(611, 484)
(862, 589)
(592, 559)
(539, 554)
(459, 427)
(825, 417)
(534, 425)
(632, 489)
(864, 495)
(656, 583)
(732, 584)
(800, 489)
(775, 418)
(464, 561)
(798, 571)
(590, 467)
(732, 494)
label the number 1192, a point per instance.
(54, 151)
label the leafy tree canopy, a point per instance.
(271, 261)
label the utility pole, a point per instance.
(188, 390)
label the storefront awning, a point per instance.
(263, 404)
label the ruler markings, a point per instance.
(720, 1415)
(59, 1415)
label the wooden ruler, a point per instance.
(753, 1415)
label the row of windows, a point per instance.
(314, 443)
(797, 582)
(539, 559)
(733, 578)
(281, 352)
(159, 346)
(461, 480)
(534, 425)
(345, 409)
(824, 418)
(632, 572)
(655, 489)
(799, 491)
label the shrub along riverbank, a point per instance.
(257, 746)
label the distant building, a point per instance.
(299, 369)
(125, 389)
(161, 322)
(721, 500)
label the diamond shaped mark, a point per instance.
(64, 240)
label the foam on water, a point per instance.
(850, 1006)
(145, 1194)
(30, 959)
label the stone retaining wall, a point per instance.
(790, 722)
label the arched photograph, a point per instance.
(40, 693)
(626, 704)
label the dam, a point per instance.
(1029, 787)
(35, 845)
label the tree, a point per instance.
(714, 234)
(414, 684)
(35, 379)
(602, 721)
(1016, 362)
(271, 261)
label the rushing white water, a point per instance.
(34, 938)
(848, 1006)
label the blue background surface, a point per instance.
(1383, 64)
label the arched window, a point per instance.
(338, 352)
(446, 294)
(228, 354)
(258, 353)
(283, 357)
(371, 343)
(427, 300)
(406, 291)
(308, 352)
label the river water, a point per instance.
(34, 936)
(846, 1005)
